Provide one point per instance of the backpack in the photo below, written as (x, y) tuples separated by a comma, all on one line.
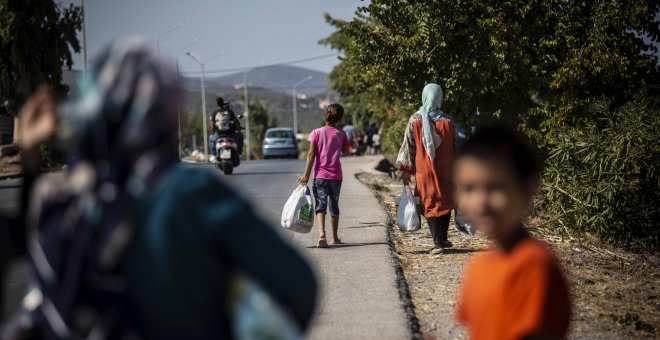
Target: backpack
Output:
[(224, 122)]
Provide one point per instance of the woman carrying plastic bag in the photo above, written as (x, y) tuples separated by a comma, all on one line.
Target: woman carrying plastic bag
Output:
[(297, 214), (406, 214)]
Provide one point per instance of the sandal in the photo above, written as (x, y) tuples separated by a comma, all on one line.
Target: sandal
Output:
[(322, 243), (336, 241), (436, 251)]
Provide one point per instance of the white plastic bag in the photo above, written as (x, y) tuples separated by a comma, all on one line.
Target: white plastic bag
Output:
[(297, 214), (406, 214), (462, 223), (256, 315)]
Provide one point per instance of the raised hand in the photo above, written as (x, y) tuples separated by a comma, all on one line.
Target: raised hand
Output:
[(37, 120)]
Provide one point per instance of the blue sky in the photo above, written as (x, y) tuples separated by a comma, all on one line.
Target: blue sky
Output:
[(250, 32)]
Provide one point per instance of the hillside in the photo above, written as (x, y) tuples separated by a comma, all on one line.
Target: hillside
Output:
[(275, 78), (279, 105)]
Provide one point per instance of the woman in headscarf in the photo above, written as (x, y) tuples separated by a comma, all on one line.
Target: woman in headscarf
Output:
[(426, 152), (128, 244), (37, 125)]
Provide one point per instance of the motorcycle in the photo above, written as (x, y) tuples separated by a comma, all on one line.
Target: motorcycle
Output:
[(227, 155)]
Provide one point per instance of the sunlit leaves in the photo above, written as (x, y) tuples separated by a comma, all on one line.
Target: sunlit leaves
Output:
[(36, 40), (607, 174)]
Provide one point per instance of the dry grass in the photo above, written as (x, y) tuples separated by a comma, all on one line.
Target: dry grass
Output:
[(615, 293)]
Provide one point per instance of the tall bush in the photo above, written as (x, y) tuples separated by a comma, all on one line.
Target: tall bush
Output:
[(603, 176)]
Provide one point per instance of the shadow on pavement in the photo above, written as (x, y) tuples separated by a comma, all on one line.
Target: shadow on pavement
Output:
[(449, 251), (347, 245), (266, 173)]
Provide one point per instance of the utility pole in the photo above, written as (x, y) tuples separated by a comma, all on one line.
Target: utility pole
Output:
[(206, 137), (178, 85), (247, 113)]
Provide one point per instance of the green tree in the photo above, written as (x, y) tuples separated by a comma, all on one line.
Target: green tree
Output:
[(260, 121), (581, 77), (603, 177), (36, 40), (192, 126), (532, 62)]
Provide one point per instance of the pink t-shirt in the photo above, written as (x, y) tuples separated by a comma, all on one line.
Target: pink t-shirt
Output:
[(329, 143)]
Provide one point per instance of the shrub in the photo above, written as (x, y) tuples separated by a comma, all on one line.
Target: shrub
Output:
[(602, 176)]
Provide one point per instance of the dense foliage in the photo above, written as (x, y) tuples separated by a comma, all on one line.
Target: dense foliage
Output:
[(260, 121), (570, 73), (603, 177), (37, 38)]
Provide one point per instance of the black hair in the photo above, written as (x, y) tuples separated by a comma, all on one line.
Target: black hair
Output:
[(507, 145), (220, 101), (334, 113)]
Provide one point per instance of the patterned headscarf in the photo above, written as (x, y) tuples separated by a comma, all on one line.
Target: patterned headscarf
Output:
[(121, 130), (124, 111)]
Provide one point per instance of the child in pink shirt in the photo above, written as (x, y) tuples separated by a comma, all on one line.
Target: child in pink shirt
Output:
[(326, 146)]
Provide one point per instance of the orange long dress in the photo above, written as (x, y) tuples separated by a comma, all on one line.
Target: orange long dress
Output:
[(513, 295), (433, 178)]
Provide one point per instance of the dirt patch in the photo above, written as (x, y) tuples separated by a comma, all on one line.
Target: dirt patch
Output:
[(615, 293)]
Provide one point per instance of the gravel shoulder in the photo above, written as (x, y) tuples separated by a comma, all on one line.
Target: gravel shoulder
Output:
[(615, 293)]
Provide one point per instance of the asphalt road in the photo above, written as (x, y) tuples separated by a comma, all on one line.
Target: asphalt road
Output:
[(266, 184), (358, 296)]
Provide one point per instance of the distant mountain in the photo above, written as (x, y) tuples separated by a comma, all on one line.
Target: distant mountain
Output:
[(274, 78), (278, 104)]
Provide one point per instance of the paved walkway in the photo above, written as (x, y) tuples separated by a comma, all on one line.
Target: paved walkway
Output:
[(359, 297)]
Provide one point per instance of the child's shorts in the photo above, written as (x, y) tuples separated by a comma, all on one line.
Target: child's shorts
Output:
[(326, 195)]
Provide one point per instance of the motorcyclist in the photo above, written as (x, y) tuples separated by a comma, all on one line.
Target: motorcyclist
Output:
[(221, 117)]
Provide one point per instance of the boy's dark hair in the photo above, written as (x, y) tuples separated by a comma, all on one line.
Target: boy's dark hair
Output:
[(334, 113), (219, 101), (507, 145)]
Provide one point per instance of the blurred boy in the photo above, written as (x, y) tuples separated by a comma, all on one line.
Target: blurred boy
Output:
[(326, 146), (516, 289)]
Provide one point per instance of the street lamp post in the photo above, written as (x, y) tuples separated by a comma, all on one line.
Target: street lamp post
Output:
[(247, 112), (164, 33), (178, 52), (203, 81), (295, 105)]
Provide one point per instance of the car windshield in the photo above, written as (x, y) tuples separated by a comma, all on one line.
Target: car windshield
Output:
[(280, 134)]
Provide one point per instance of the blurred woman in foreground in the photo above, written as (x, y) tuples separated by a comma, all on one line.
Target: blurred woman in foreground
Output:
[(129, 244)]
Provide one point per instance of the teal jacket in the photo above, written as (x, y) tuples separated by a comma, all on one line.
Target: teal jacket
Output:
[(194, 235)]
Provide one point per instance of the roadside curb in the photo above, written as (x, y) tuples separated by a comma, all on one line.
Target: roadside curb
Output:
[(11, 175), (402, 284)]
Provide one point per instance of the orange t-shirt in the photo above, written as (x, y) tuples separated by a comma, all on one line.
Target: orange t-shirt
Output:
[(515, 294)]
